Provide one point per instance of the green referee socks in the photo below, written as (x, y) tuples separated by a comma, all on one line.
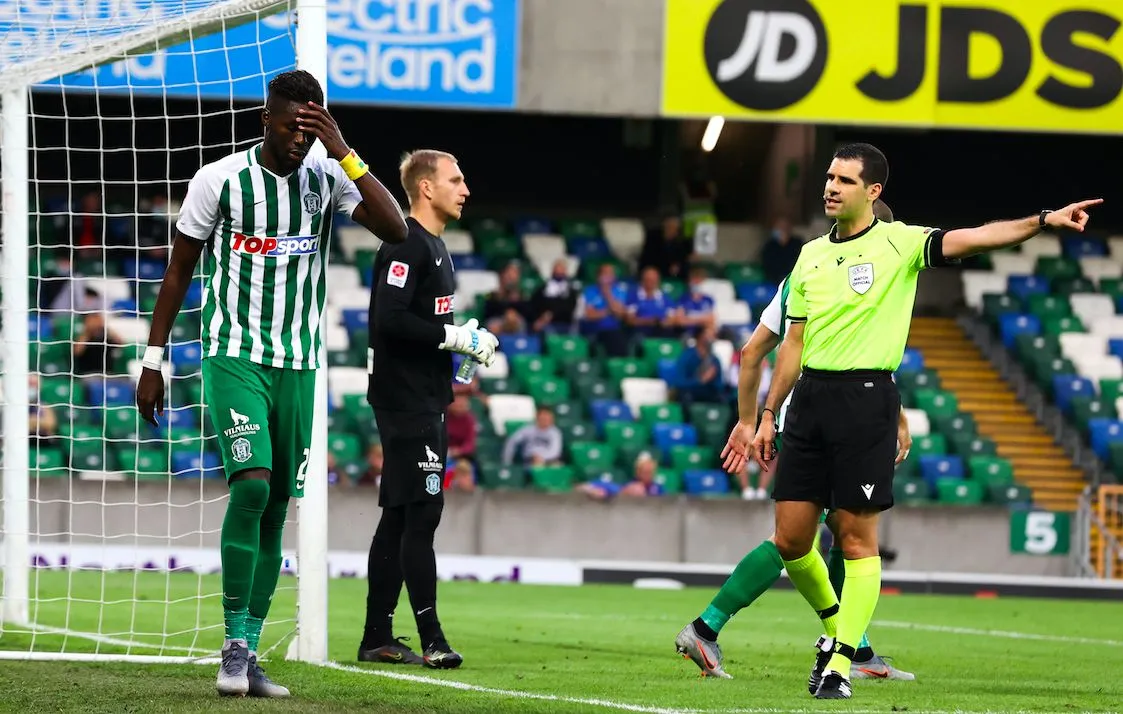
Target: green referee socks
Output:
[(863, 586), (239, 546), (756, 572), (809, 576)]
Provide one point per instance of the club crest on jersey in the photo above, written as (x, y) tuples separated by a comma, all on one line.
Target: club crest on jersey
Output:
[(397, 274), (311, 203), (444, 305), (861, 277), (276, 247)]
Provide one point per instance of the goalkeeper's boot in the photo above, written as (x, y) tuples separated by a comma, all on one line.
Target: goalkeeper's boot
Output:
[(439, 655), (233, 673), (877, 668), (397, 652), (260, 684), (833, 686), (824, 648), (704, 653)]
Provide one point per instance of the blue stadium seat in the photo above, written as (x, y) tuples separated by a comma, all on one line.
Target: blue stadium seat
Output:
[(756, 294), (1115, 347), (182, 419), (937, 467), (1010, 325), (468, 261), (111, 392), (193, 298), (520, 344), (700, 482), (1067, 386), (186, 357), (1022, 286), (190, 465), (356, 318), (366, 276), (585, 248), (1104, 432), (1077, 247), (664, 436), (124, 305), (911, 361), (144, 269), (668, 371), (38, 328), (532, 224), (603, 410)]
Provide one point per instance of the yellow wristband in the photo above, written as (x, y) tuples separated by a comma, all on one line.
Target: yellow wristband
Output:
[(353, 166)]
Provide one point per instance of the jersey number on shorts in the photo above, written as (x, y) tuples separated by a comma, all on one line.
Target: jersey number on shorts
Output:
[(302, 472)]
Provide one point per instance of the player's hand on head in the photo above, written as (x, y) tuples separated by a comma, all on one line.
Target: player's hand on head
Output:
[(1074, 216), (150, 395), (317, 120)]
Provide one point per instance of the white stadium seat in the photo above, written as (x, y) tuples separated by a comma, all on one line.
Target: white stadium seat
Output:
[(129, 329), (475, 282), (642, 391), (498, 369), (1118, 408), (1108, 327), (723, 350), (458, 241), (918, 422), (346, 380), (1115, 246), (545, 268), (1091, 307), (336, 338), (1096, 267), (733, 313), (720, 289), (1075, 344), (1013, 264), (1045, 244), (977, 283), (110, 289), (355, 238), (341, 277), (503, 408), (624, 237), (350, 298), (1097, 367), (543, 247)]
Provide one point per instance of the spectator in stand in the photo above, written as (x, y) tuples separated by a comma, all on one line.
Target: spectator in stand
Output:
[(696, 310), (642, 483), (555, 302), (779, 254), (537, 444), (506, 309), (87, 227), (462, 426), (154, 228), (604, 313), (96, 348), (666, 249), (650, 312), (373, 475), (42, 423), (700, 378), (460, 477)]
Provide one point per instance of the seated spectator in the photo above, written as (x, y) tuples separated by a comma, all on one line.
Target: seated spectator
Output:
[(460, 477), (333, 470), (666, 249), (696, 310), (506, 308), (462, 426), (373, 475), (95, 349), (537, 444), (604, 312), (700, 378), (650, 312), (43, 422), (779, 254), (642, 484), (555, 302)]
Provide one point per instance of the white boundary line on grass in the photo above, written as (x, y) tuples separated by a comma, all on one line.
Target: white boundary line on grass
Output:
[(894, 624)]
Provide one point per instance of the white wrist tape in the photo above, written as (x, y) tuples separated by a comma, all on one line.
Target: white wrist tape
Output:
[(153, 358)]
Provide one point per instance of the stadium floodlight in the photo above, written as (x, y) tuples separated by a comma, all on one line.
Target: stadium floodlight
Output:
[(712, 133), (106, 111)]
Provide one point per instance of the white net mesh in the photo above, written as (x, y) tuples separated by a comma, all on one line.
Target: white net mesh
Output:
[(124, 518)]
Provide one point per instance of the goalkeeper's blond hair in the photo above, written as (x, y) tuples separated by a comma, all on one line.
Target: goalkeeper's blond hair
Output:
[(418, 166)]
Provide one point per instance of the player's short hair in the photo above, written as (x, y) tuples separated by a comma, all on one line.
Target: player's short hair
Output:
[(296, 86), (419, 165), (875, 167), (882, 212)]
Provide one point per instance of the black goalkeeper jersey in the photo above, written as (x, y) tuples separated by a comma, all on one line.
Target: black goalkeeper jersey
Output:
[(411, 300)]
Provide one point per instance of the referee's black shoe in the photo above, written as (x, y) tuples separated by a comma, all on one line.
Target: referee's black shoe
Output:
[(439, 655), (824, 649), (397, 652), (833, 686)]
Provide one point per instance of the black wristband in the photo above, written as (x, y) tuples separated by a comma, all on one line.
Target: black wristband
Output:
[(762, 411), (1041, 217)]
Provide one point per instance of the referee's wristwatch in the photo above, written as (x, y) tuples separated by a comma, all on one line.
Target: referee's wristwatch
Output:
[(1041, 217)]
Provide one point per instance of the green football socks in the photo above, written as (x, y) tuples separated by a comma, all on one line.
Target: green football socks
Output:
[(809, 576), (756, 572), (239, 547), (863, 587), (268, 568)]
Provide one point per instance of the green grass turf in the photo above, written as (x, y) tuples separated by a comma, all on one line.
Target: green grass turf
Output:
[(595, 642)]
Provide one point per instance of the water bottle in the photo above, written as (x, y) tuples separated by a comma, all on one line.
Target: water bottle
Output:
[(467, 370)]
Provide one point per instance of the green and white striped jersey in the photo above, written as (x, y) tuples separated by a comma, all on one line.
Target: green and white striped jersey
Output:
[(267, 253), (775, 318)]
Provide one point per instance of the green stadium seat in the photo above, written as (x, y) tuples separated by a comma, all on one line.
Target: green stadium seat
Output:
[(497, 476), (670, 480), (122, 423), (921, 379), (583, 368), (489, 447), (1111, 389), (1009, 494), (712, 433), (655, 349), (501, 385), (1026, 345), (552, 479), (59, 390), (1060, 325), (702, 414), (626, 433), (91, 455), (548, 391), (592, 388), (512, 425), (364, 259), (1044, 367), (673, 289), (623, 367), (525, 365), (626, 454), (579, 431), (652, 414), (967, 445), (590, 453), (959, 492), (1045, 306), (990, 470), (1055, 267), (951, 424), (995, 304), (909, 468), (567, 348), (1112, 287), (738, 273), (1115, 457), (530, 282), (144, 462), (910, 490), (1086, 408), (936, 403), (339, 420), (341, 358), (576, 228), (589, 268), (346, 447), (1073, 286), (686, 458), (929, 445), (595, 473), (46, 461), (497, 246)]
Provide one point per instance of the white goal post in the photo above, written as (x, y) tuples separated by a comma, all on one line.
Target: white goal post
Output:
[(121, 620)]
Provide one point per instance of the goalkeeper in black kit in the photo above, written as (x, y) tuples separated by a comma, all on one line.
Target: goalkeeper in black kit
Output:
[(412, 338)]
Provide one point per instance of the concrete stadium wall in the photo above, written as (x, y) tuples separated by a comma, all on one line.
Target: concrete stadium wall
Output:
[(526, 524)]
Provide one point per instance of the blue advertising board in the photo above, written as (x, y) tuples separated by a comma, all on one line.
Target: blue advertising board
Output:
[(450, 53)]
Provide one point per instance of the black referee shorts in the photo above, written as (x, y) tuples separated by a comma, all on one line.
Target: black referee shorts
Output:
[(414, 449), (840, 440)]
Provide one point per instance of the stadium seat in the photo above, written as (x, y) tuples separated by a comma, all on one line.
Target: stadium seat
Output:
[(143, 462), (670, 413), (1010, 494), (959, 492), (670, 480), (499, 249), (458, 241), (525, 364), (1091, 307), (967, 445), (1007, 264), (592, 389), (583, 367), (497, 476), (1056, 268), (705, 482), (547, 390), (552, 479), (921, 379), (911, 360), (930, 445), (626, 433), (515, 345), (499, 368), (186, 357), (728, 314), (584, 454), (110, 392), (1108, 327), (347, 380), (1065, 387), (667, 436), (475, 282), (588, 248), (509, 407), (723, 350), (1011, 325), (1084, 409), (936, 403), (977, 283), (1075, 345), (990, 470), (1100, 366), (624, 236), (574, 431), (702, 414), (684, 458), (937, 467), (1022, 286), (919, 424), (1075, 247), (639, 392), (620, 367), (1059, 325), (1047, 306), (578, 228), (567, 348), (910, 490), (1102, 433), (187, 464), (739, 273), (46, 461), (603, 410), (655, 349), (345, 447), (468, 261)]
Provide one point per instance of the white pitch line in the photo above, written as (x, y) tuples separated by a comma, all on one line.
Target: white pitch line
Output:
[(116, 642), (995, 633), (509, 693)]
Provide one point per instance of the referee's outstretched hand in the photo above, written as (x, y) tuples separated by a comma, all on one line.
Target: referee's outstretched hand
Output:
[(1074, 216), (736, 452), (764, 444)]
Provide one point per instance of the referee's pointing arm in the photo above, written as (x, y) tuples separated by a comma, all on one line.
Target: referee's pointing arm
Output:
[(964, 242)]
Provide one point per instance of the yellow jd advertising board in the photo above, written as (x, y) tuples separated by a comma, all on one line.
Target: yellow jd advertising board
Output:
[(1039, 65)]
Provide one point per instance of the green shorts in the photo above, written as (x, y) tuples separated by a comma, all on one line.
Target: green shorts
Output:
[(263, 416), (779, 440)]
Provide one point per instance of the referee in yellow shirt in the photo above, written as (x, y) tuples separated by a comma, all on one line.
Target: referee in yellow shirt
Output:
[(850, 305)]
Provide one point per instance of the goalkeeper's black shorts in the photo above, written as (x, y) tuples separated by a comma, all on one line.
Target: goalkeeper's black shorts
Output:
[(415, 449)]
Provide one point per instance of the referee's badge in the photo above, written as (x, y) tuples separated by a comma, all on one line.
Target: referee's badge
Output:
[(861, 277)]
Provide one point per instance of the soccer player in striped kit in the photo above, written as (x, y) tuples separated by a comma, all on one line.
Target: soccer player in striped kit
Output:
[(264, 216)]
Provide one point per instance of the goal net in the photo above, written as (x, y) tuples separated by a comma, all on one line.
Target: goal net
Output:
[(110, 526)]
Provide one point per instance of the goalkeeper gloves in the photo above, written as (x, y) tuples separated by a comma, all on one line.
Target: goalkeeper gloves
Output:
[(472, 340)]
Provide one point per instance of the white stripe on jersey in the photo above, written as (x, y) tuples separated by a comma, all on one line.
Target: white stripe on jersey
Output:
[(280, 277), (234, 269), (297, 348), (256, 227)]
